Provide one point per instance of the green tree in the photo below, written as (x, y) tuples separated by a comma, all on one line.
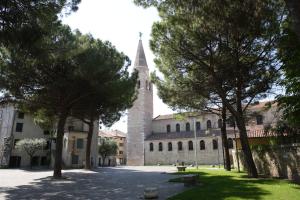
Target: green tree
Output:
[(113, 86), (289, 52), (107, 147), (294, 13), (31, 146), (228, 47)]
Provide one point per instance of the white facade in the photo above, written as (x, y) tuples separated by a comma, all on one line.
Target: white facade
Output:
[(15, 125)]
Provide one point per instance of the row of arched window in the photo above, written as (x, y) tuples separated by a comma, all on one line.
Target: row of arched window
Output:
[(198, 126), (190, 145), (148, 85)]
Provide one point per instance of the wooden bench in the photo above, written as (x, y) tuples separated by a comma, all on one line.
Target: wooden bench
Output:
[(181, 168), (189, 180)]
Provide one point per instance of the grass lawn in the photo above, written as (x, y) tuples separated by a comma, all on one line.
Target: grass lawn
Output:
[(217, 184)]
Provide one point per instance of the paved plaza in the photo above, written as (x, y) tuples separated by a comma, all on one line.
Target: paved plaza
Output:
[(103, 183)]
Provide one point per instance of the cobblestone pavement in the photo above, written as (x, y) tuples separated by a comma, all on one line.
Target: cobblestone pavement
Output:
[(103, 183)]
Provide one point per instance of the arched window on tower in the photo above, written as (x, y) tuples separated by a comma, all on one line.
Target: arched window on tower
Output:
[(230, 143), (219, 123), (146, 84), (170, 146), (191, 145), (179, 146), (150, 86), (187, 127), (139, 84), (208, 124), (202, 145), (215, 144), (168, 128), (177, 127), (160, 146), (151, 146), (198, 126)]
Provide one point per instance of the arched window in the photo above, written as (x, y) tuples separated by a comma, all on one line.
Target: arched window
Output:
[(160, 146), (208, 124), (151, 146), (170, 146), (259, 119), (187, 127), (230, 143), (219, 123), (149, 86), (177, 127), (168, 128), (191, 145), (179, 146), (146, 84), (198, 126), (202, 145), (139, 83), (215, 144)]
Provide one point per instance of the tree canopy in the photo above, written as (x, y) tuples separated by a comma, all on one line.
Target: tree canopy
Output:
[(225, 50)]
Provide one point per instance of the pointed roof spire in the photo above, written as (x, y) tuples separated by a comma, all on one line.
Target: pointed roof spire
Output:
[(140, 58)]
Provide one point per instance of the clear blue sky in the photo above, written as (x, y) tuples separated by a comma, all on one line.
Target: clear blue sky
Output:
[(119, 21)]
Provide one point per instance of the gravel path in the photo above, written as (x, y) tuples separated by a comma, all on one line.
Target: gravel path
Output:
[(102, 183)]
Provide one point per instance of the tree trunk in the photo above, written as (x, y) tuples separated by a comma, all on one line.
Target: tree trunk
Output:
[(252, 171), (88, 145), (59, 145), (294, 9), (224, 139), (103, 161)]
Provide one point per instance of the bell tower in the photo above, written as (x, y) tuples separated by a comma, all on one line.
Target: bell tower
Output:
[(140, 115)]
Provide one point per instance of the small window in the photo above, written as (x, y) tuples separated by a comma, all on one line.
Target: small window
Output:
[(120, 152), (19, 127), (215, 144), (179, 146), (150, 86), (259, 119), (75, 159), (168, 128), (46, 132), (170, 146), (21, 115), (191, 145), (198, 126), (230, 143), (219, 123), (187, 127), (151, 146), (160, 146), (139, 84), (121, 144), (79, 143), (177, 127), (146, 84), (202, 145), (208, 124)]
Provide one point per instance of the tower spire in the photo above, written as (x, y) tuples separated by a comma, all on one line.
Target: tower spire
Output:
[(140, 58)]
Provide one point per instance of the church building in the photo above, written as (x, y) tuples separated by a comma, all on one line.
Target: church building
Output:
[(169, 139)]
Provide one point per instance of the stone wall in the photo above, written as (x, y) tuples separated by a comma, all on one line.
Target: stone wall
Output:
[(280, 161)]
